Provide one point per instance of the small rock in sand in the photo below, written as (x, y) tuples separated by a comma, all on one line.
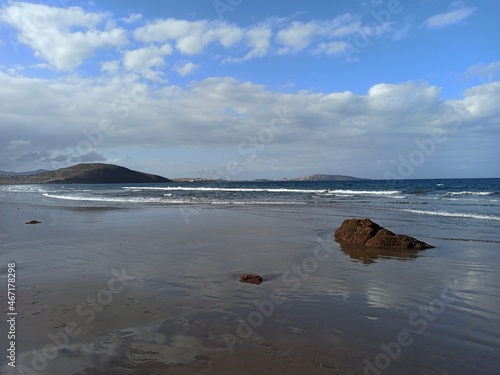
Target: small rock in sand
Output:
[(33, 222), (251, 278)]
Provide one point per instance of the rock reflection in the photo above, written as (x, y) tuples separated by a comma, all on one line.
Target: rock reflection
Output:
[(369, 255)]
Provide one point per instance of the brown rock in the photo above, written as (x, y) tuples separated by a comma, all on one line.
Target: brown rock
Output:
[(356, 231), (251, 278), (33, 222), (367, 233)]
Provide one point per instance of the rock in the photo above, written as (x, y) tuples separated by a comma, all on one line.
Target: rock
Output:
[(367, 233), (251, 278), (33, 222)]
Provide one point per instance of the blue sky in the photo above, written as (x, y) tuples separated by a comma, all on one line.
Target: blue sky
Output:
[(253, 89)]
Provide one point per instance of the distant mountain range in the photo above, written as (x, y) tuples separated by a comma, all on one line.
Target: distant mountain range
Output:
[(95, 173), (325, 177), (99, 173)]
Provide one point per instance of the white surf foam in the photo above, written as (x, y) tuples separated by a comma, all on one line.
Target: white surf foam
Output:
[(454, 214), (270, 190)]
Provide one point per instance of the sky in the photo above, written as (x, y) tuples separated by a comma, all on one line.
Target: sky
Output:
[(241, 89)]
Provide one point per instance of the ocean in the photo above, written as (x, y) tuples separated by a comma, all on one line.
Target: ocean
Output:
[(348, 309), (466, 200), (476, 199)]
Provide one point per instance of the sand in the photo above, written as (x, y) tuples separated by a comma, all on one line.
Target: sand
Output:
[(142, 291)]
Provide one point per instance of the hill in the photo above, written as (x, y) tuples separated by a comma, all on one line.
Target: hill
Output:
[(95, 173), (326, 177)]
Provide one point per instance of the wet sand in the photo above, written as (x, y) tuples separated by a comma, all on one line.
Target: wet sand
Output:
[(143, 291)]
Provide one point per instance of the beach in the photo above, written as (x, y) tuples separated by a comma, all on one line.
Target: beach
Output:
[(108, 289)]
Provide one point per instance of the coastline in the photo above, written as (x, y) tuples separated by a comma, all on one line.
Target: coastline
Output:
[(180, 303)]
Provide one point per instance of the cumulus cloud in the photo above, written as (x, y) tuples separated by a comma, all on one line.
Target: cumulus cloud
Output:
[(480, 102), (258, 38), (335, 128), (451, 17), (186, 69), (298, 35), (110, 67), (66, 37), (272, 37), (62, 36), (402, 97), (145, 60), (190, 37)]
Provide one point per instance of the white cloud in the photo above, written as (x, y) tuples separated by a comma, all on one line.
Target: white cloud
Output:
[(449, 18), (186, 69), (298, 35), (110, 67), (144, 60), (403, 96), (272, 36), (191, 37), (362, 129), (65, 37), (343, 26), (330, 37), (479, 102), (134, 17), (258, 38), (62, 36), (332, 48), (226, 35)]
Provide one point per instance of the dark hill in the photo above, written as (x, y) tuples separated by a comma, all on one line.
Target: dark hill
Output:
[(95, 173)]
